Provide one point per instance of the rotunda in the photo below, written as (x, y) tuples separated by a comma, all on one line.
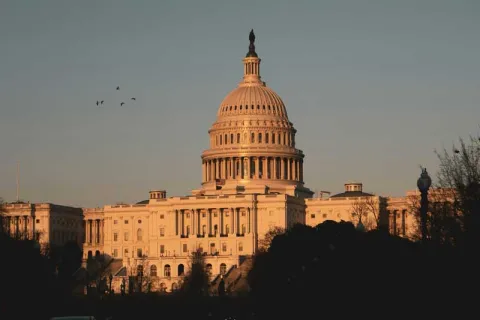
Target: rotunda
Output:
[(252, 142)]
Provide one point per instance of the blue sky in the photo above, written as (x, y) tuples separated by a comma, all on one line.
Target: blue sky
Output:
[(373, 88)]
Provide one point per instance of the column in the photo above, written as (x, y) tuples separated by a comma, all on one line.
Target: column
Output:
[(25, 221), (232, 213), (182, 212), (249, 221), (194, 213), (288, 169), (237, 220), (257, 167), (209, 222), (176, 222)]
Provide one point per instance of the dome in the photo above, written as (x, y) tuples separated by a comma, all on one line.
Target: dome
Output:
[(252, 142), (252, 99)]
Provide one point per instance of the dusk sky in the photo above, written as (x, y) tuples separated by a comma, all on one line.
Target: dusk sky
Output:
[(373, 88)]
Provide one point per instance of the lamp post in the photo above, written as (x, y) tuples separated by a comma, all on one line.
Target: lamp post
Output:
[(423, 184), (111, 279)]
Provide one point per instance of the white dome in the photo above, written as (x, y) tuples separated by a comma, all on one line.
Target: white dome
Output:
[(252, 99)]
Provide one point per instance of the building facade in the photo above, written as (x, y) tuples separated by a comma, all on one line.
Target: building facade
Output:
[(49, 224), (252, 182)]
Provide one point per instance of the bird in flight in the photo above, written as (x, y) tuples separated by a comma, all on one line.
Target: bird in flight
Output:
[(456, 151), (97, 103), (101, 102), (118, 88), (134, 99), (121, 104)]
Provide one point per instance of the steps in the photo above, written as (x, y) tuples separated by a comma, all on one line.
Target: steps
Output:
[(237, 281)]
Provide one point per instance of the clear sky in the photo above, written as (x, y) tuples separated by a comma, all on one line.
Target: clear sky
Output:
[(373, 88)]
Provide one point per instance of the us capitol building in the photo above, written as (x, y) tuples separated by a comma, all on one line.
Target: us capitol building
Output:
[(252, 182)]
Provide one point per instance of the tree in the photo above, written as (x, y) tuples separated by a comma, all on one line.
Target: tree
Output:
[(460, 172), (196, 281), (142, 273), (265, 243), (453, 217), (367, 211)]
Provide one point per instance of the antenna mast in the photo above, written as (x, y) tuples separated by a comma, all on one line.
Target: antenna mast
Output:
[(18, 180)]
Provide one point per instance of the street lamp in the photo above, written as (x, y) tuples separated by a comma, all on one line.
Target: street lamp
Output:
[(111, 278), (423, 184)]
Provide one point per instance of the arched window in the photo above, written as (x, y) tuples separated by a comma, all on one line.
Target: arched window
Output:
[(238, 137), (181, 270), (153, 270), (139, 235), (139, 270), (163, 287), (260, 137), (223, 269), (166, 270)]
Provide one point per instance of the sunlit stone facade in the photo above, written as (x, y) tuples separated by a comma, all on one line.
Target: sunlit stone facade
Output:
[(49, 224), (252, 181)]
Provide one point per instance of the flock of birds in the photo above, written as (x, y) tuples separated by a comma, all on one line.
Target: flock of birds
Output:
[(100, 103)]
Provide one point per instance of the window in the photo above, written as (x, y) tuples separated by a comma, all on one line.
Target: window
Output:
[(139, 253), (312, 216), (153, 270), (125, 252), (240, 246), (115, 236), (140, 270), (252, 138), (126, 221), (244, 229), (223, 268), (260, 138), (204, 229), (162, 232), (37, 221), (227, 229), (273, 138), (125, 236), (266, 137), (139, 221), (324, 215), (188, 230), (224, 246), (115, 253), (115, 221), (238, 137), (185, 247), (166, 270), (139, 235), (162, 216), (231, 138), (162, 249)]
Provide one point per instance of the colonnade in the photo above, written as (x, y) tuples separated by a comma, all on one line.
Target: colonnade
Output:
[(94, 230), (216, 222), (253, 168), (19, 225)]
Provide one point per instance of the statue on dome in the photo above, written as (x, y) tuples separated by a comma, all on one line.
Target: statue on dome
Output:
[(251, 47), (251, 37)]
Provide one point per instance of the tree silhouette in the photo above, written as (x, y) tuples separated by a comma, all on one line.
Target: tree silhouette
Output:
[(196, 281)]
